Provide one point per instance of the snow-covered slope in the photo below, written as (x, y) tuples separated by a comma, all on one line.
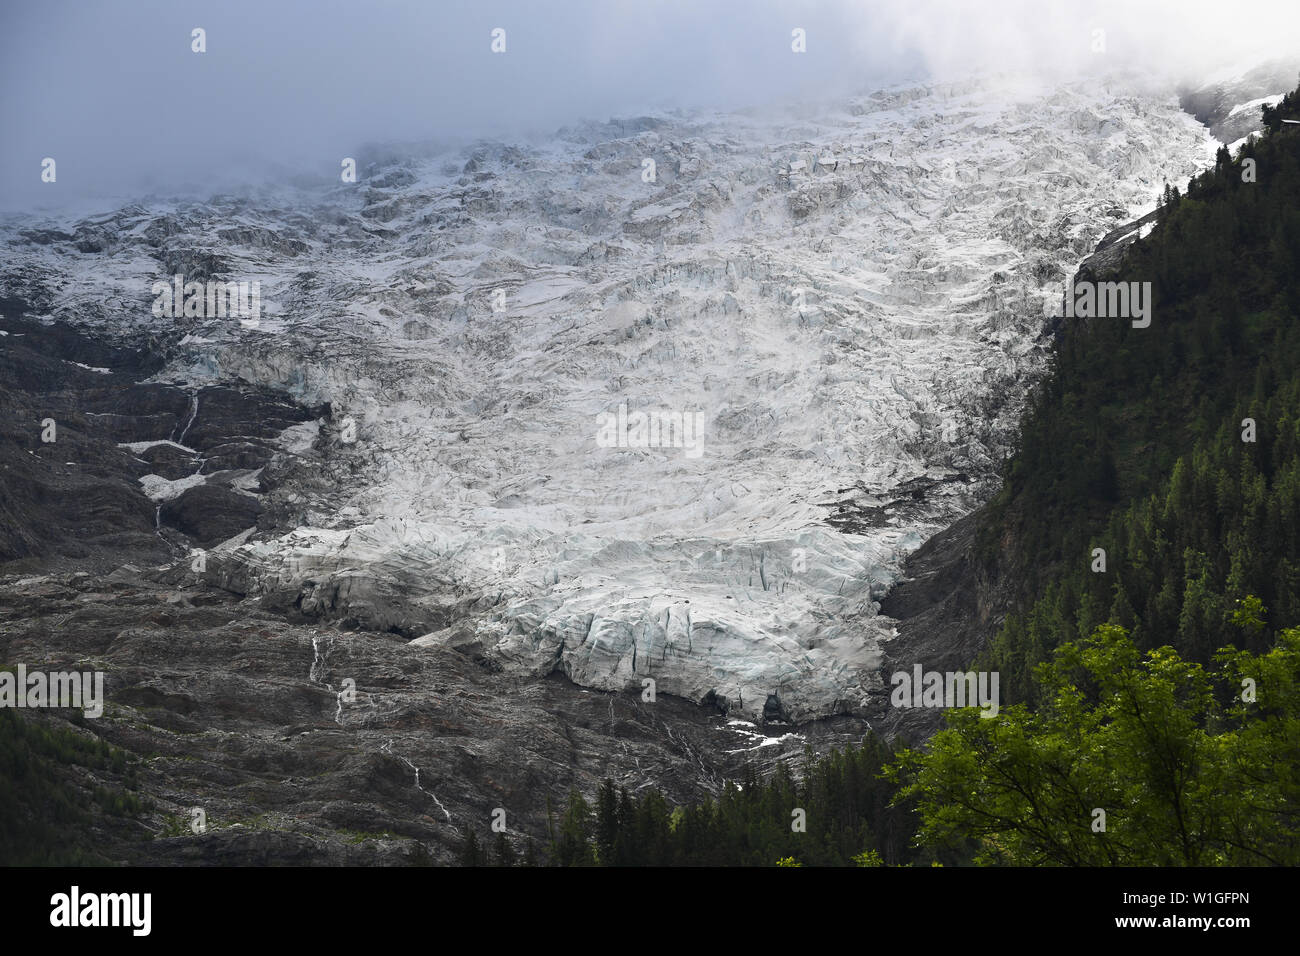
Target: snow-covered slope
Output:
[(1229, 100), (851, 299)]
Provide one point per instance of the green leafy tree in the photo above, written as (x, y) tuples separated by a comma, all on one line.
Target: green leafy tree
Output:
[(1129, 760)]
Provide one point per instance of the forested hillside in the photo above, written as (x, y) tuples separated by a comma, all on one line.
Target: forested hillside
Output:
[(1139, 444), (1152, 521)]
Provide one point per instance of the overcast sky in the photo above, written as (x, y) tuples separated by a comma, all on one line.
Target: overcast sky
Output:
[(113, 92)]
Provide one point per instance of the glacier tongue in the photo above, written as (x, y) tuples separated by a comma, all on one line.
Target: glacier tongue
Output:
[(852, 300)]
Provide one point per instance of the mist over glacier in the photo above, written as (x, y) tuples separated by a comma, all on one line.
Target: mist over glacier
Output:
[(115, 94)]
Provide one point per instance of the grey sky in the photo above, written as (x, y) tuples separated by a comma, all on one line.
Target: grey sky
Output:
[(114, 94)]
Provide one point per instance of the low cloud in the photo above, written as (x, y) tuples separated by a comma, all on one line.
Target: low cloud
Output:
[(115, 95)]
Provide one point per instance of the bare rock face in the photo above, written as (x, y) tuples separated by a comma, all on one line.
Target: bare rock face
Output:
[(311, 745), (103, 465), (211, 514), (66, 489)]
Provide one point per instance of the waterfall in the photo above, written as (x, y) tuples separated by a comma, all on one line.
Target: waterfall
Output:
[(317, 673), (388, 749), (194, 411)]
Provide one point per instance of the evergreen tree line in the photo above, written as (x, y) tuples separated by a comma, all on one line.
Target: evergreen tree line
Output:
[(44, 809), (840, 811), (1154, 718), (1134, 443)]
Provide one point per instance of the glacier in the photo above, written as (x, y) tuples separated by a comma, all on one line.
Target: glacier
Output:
[(853, 298)]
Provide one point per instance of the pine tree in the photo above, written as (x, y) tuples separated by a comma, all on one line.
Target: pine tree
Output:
[(505, 853), (470, 854), (606, 823), (573, 847)]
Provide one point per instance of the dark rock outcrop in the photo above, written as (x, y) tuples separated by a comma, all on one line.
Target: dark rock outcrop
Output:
[(1110, 251), (210, 514), (950, 603), (71, 494)]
